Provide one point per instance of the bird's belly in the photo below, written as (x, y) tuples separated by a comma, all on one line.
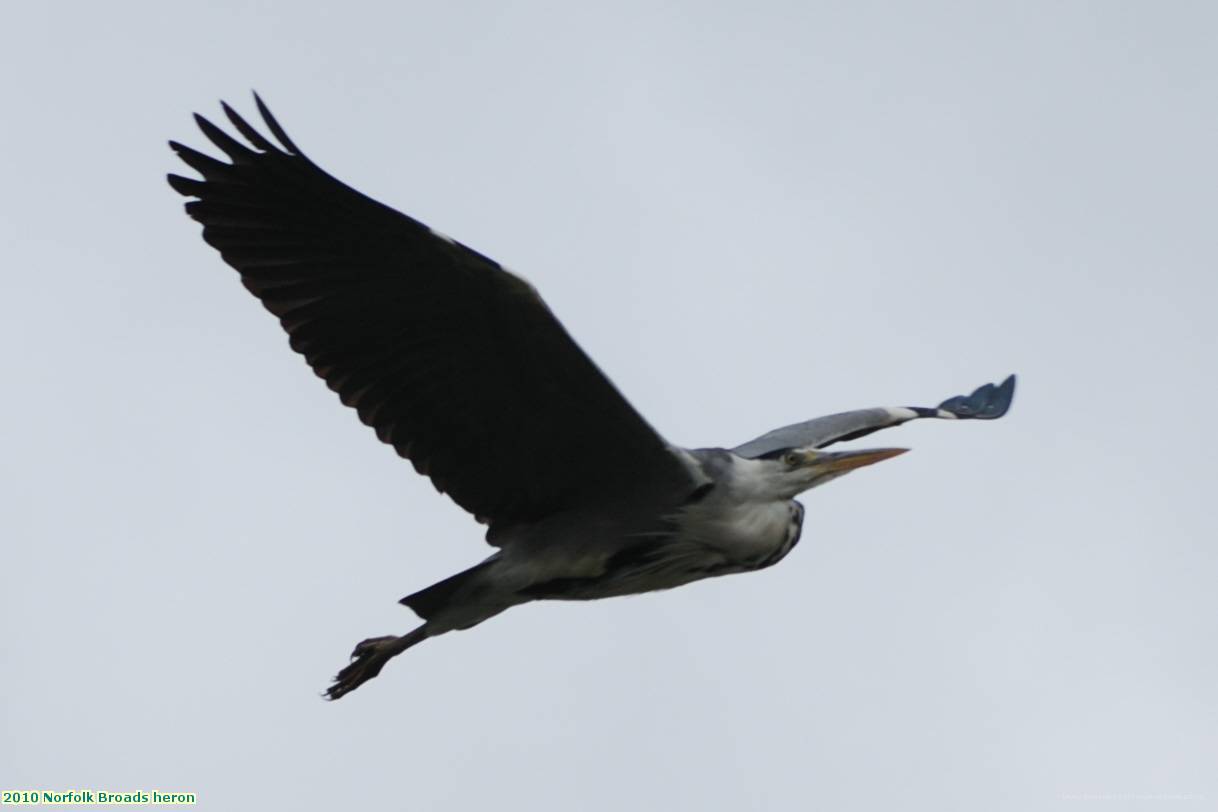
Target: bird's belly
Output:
[(705, 542), (752, 535), (703, 546)]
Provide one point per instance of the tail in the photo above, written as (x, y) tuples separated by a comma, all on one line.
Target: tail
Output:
[(427, 603)]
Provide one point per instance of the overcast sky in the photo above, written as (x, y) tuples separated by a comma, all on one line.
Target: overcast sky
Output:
[(749, 214)]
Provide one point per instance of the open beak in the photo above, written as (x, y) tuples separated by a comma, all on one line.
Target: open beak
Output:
[(839, 462)]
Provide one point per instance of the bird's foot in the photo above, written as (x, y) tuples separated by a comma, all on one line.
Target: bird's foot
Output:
[(367, 660)]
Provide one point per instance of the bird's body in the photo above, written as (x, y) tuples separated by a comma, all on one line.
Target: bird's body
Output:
[(459, 365), (726, 524)]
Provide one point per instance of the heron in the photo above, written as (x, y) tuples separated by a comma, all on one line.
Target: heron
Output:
[(461, 367)]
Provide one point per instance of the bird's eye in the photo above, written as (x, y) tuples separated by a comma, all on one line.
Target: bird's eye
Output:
[(791, 458)]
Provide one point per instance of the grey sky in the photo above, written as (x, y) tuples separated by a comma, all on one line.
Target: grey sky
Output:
[(749, 214)]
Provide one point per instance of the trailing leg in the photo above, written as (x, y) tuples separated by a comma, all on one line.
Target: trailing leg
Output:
[(370, 656)]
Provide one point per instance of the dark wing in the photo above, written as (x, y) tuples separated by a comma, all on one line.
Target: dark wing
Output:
[(988, 402), (458, 364)]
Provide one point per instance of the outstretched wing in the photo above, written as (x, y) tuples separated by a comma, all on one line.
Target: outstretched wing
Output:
[(457, 363), (988, 402)]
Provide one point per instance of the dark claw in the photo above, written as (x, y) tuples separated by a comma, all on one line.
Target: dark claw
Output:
[(364, 646), (367, 660)]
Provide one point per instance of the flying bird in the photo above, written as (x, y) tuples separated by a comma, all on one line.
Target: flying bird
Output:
[(458, 364)]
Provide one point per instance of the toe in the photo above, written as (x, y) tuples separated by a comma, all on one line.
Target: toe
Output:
[(365, 646)]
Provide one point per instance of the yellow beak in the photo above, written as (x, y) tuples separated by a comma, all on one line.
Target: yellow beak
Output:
[(842, 461)]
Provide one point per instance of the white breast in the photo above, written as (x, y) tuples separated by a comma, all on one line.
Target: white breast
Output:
[(741, 532)]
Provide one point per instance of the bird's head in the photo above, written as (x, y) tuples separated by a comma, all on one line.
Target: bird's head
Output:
[(791, 471)]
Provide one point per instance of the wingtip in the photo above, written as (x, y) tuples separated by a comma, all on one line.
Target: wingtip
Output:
[(1002, 398), (274, 126), (986, 402), (203, 123), (1006, 390)]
